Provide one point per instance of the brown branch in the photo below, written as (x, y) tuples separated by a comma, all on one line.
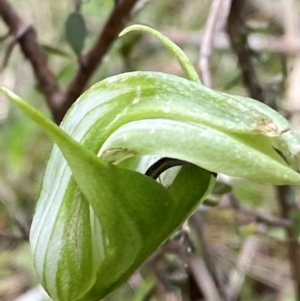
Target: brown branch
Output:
[(267, 218), (287, 206), (257, 42), (12, 45), (259, 215), (238, 37), (10, 236), (91, 60), (196, 219), (217, 14), (58, 101), (243, 264), (34, 53), (203, 278)]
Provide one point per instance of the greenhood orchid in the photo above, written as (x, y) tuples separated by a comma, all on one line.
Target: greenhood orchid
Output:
[(99, 216)]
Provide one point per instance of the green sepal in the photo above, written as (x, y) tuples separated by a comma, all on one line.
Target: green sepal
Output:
[(130, 216)]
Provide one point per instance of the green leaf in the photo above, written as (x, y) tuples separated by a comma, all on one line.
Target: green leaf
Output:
[(55, 51), (223, 135), (221, 188), (79, 232), (76, 32)]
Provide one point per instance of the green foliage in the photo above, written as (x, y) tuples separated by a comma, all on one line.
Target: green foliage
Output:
[(76, 32), (221, 188)]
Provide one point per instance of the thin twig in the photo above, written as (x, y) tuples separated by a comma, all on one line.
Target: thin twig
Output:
[(58, 101), (238, 36), (259, 215), (6, 235), (196, 219), (257, 42), (12, 45), (35, 54), (244, 262), (284, 193), (217, 15), (203, 278), (91, 60), (291, 33)]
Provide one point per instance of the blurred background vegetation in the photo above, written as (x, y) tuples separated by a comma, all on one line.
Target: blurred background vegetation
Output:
[(241, 245)]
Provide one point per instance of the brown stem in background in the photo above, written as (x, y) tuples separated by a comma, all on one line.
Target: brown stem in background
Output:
[(202, 278), (237, 31), (256, 41), (26, 36), (91, 60), (286, 207), (10, 236), (196, 220), (258, 215), (58, 101), (238, 37), (216, 18)]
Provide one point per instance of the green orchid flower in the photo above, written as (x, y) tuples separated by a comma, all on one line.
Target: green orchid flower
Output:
[(99, 217)]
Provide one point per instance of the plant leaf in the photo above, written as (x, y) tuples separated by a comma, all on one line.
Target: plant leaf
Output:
[(221, 188), (76, 32), (236, 155), (82, 255), (225, 130)]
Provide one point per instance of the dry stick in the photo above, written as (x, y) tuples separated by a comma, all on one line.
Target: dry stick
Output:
[(237, 34), (196, 219), (10, 236), (243, 265), (294, 256), (35, 54), (58, 102), (216, 18), (203, 278), (291, 33), (91, 60), (256, 41), (260, 216), (12, 45)]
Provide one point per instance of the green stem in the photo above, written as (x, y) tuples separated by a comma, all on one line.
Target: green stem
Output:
[(182, 58)]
